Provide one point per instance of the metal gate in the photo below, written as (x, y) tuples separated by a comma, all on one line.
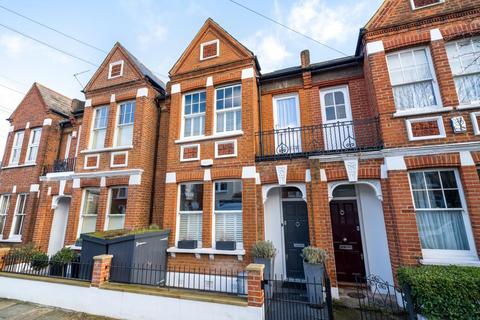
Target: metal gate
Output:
[(378, 299), (287, 299)]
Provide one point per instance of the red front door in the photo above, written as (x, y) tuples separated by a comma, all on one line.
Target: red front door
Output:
[(347, 240)]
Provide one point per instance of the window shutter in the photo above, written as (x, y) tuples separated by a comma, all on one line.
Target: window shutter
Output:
[(190, 226), (229, 226)]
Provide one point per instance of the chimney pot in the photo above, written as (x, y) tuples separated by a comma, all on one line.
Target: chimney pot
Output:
[(305, 58)]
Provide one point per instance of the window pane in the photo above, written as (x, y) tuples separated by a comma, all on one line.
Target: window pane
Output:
[(444, 230), (238, 120), (344, 191), (118, 207), (417, 95), (228, 195), (2, 223), (17, 229), (339, 97), (125, 135), (191, 197), (341, 113), (448, 179), (453, 199), (91, 201), (417, 180), (330, 113), (228, 226), (468, 88), (116, 222), (329, 99), (88, 225), (433, 180), (220, 122), (190, 227), (436, 199), (188, 128), (421, 199), (230, 124)]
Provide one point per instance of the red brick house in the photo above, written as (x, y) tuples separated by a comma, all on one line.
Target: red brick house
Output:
[(44, 128), (372, 157)]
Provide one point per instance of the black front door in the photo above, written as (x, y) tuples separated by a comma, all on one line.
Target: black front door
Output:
[(347, 240), (295, 228)]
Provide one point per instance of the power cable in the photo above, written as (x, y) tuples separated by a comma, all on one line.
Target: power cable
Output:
[(11, 89)]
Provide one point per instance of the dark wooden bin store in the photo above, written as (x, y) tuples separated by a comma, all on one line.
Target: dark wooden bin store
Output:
[(139, 258)]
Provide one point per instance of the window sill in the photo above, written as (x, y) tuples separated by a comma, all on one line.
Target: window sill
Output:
[(468, 106), (109, 149), (212, 137), (19, 166), (12, 240), (209, 251), (400, 114), (446, 262)]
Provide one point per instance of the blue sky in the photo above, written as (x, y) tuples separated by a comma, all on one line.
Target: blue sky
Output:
[(157, 32)]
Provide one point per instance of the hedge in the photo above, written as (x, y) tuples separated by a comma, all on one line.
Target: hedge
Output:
[(443, 292)]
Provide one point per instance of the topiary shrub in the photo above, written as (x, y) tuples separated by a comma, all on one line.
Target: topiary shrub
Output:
[(264, 250), (64, 256), (314, 255), (443, 292), (39, 261)]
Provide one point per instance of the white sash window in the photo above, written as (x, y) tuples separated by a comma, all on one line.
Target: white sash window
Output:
[(194, 106), (89, 213), (4, 204), (228, 106), (228, 212), (126, 118), (33, 144), (99, 129), (190, 212), (16, 147), (19, 217), (117, 208)]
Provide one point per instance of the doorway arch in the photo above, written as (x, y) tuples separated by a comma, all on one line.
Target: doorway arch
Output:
[(61, 207)]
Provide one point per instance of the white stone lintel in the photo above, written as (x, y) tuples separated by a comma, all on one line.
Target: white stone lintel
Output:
[(375, 47)]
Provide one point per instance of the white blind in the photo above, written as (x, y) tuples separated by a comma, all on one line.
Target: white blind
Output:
[(229, 226), (190, 226)]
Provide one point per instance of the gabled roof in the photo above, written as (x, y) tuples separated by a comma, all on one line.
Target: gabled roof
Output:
[(210, 24), (139, 67)]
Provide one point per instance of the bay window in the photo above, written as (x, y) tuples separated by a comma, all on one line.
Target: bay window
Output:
[(19, 217), (33, 144), (99, 129), (228, 212), (442, 221), (413, 80), (228, 105), (126, 118), (464, 58), (16, 147), (4, 204), (190, 212), (117, 208), (194, 107), (89, 213)]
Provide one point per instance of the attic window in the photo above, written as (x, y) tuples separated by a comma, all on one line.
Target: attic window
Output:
[(417, 4), (115, 70), (210, 49)]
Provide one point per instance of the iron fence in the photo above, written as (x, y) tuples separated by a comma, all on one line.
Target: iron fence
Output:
[(380, 300), (182, 277), (60, 165), (331, 138), (293, 299), (45, 266)]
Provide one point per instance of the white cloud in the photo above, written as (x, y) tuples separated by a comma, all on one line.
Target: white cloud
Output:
[(271, 50), (9, 100), (157, 33), (14, 44), (328, 22)]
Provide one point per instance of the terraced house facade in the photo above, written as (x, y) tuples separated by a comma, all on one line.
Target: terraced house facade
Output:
[(372, 157)]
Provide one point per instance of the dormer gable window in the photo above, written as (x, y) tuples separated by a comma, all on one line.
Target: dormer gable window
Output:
[(210, 49), (115, 69), (418, 4)]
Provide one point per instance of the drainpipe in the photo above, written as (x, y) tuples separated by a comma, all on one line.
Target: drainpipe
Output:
[(259, 98), (157, 137)]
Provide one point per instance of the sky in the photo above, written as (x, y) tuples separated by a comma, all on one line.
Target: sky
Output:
[(157, 32)]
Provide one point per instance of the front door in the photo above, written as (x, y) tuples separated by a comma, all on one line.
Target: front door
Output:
[(347, 240), (295, 227)]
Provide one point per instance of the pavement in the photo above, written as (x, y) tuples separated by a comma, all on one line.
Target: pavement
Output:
[(19, 310)]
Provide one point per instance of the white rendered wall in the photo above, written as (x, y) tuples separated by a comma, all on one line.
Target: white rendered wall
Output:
[(273, 228), (119, 304), (374, 234)]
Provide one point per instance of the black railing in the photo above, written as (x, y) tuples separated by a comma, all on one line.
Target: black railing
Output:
[(44, 266), (226, 281), (63, 165), (298, 299), (331, 138)]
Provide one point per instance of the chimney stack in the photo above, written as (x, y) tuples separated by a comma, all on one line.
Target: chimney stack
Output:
[(305, 58)]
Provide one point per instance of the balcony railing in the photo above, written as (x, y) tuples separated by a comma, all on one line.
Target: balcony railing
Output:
[(331, 138), (60, 165)]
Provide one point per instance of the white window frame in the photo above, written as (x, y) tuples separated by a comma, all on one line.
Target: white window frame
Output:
[(214, 213), (224, 111), (206, 44), (111, 65), (179, 213), (427, 6), (4, 199), (182, 159), (82, 215), (182, 126), (32, 145), (455, 43), (449, 256), (16, 147), (118, 125), (97, 163), (93, 129), (275, 99), (436, 88), (109, 206), (19, 212), (68, 146), (441, 128), (234, 154), (112, 159)]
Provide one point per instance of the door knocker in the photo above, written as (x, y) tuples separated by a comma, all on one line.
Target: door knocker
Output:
[(297, 224), (342, 213)]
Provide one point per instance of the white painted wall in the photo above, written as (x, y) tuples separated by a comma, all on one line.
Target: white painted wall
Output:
[(119, 304), (374, 235), (273, 228), (59, 226)]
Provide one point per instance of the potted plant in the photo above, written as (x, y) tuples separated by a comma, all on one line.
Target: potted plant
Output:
[(314, 266), (264, 252), (61, 262)]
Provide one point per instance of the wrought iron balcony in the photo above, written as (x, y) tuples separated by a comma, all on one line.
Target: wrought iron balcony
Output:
[(60, 165), (324, 139)]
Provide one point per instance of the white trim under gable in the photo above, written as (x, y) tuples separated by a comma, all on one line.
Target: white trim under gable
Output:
[(142, 92), (375, 47), (435, 34), (171, 177), (47, 122), (176, 88), (248, 73), (249, 172), (438, 119), (395, 163), (466, 159)]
